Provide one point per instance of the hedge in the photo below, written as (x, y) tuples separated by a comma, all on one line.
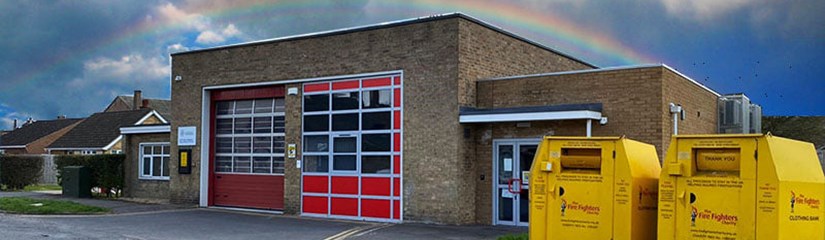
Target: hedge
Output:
[(106, 170), (17, 172)]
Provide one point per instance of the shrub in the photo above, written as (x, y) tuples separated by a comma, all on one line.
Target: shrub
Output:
[(17, 172), (106, 170)]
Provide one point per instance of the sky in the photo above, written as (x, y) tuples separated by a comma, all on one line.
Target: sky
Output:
[(62, 57)]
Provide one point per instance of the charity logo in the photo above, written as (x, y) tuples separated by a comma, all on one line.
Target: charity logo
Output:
[(693, 214), (709, 214), (563, 206), (793, 200), (801, 199)]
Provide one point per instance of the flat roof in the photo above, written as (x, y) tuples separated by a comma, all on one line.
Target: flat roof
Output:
[(384, 25), (590, 111)]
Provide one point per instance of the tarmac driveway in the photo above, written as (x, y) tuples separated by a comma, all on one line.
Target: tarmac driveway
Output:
[(202, 223), (169, 224), (166, 221)]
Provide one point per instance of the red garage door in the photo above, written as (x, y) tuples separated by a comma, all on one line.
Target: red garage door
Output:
[(352, 149), (248, 156)]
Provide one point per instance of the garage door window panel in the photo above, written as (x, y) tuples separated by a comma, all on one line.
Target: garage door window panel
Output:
[(377, 99), (345, 122), (318, 164), (375, 142), (375, 164), (316, 123), (249, 136), (316, 102), (344, 101), (376, 121)]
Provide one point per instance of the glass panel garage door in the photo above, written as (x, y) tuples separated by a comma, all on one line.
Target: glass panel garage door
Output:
[(352, 149)]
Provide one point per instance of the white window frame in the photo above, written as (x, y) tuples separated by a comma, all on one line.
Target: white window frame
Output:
[(141, 156)]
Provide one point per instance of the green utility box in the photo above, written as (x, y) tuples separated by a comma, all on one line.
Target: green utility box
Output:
[(77, 182)]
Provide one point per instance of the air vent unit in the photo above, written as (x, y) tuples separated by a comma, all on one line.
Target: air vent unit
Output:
[(738, 115)]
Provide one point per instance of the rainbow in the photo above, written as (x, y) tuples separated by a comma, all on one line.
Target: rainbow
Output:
[(514, 18)]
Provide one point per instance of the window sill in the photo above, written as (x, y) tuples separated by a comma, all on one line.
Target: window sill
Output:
[(154, 178)]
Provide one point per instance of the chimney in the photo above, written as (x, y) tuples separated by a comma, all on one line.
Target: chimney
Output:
[(137, 100), (15, 124), (61, 116), (145, 103)]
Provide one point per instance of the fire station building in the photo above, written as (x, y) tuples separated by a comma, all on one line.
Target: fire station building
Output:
[(425, 120)]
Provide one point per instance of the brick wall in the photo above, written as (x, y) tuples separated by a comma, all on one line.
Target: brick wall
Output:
[(485, 53), (134, 186), (117, 105), (11, 151), (635, 101), (426, 52), (292, 135), (700, 108)]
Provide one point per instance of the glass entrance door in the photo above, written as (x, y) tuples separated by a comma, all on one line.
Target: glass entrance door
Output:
[(511, 169)]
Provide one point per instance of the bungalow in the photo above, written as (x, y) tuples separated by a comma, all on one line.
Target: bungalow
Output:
[(34, 136), (100, 133)]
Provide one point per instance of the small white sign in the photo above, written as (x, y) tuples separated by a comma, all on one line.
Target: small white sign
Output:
[(508, 164), (187, 136), (298, 163), (290, 150), (505, 193)]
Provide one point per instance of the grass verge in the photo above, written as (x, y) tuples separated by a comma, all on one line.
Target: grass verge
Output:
[(31, 188), (522, 236), (24, 205)]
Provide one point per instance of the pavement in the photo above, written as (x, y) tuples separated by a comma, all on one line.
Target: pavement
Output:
[(132, 220)]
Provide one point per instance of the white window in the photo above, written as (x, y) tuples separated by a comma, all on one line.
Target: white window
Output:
[(154, 161), (87, 152), (249, 136)]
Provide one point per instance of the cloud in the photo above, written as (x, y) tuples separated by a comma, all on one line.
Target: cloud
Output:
[(177, 47), (210, 37), (127, 66), (231, 30), (208, 33), (7, 117), (703, 10)]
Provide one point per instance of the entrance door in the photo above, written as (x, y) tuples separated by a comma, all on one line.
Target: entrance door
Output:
[(511, 169)]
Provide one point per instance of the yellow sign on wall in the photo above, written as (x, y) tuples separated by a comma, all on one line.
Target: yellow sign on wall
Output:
[(184, 159)]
